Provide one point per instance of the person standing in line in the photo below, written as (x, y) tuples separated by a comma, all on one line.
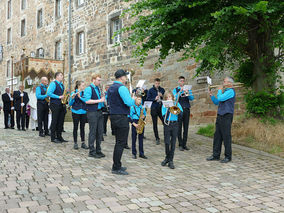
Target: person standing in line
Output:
[(21, 100), (8, 109)]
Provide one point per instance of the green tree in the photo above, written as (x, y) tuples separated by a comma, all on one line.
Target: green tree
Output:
[(218, 34)]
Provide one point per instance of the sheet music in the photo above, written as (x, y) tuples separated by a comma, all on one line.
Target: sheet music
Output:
[(187, 87), (140, 83), (147, 104), (209, 80), (168, 104)]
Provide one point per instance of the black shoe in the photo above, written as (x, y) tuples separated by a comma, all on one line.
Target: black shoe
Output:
[(63, 130), (164, 162), (123, 168), (62, 140), (36, 128), (6, 128), (119, 172), (157, 141), (211, 158), (185, 148), (143, 156), (134, 157), (76, 146), (23, 130), (94, 155), (171, 165), (126, 147), (47, 134), (41, 135), (12, 127), (84, 146), (56, 141), (225, 160), (102, 155), (181, 148), (19, 129)]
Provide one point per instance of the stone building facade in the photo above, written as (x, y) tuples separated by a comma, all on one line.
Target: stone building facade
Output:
[(41, 27)]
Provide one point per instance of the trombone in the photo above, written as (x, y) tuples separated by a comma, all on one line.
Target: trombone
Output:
[(210, 87)]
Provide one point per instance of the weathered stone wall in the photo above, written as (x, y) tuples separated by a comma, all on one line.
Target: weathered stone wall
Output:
[(100, 56)]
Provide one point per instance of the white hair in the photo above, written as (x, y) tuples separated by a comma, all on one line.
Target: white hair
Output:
[(230, 79)]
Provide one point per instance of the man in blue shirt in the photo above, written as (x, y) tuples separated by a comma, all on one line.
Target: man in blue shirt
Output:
[(155, 94), (42, 107), (184, 118), (55, 92), (94, 99), (120, 101), (226, 101)]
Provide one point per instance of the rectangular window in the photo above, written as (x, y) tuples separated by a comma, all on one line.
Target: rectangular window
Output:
[(9, 36), (115, 25), (23, 4), (8, 73), (80, 43), (58, 50), (80, 3), (40, 53), (23, 27), (9, 9), (1, 53), (58, 8), (39, 18)]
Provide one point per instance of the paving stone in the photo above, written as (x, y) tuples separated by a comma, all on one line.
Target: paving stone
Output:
[(39, 176)]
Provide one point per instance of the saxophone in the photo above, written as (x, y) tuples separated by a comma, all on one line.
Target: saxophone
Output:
[(66, 96), (141, 123)]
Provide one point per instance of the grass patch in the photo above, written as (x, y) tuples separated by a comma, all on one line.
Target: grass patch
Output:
[(262, 134), (207, 131)]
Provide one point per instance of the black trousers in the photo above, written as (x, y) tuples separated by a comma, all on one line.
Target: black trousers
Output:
[(170, 136), (42, 117), (223, 133), (120, 127), (57, 120), (183, 123), (95, 120), (20, 118), (155, 113), (134, 138), (105, 115), (79, 118), (6, 118), (27, 120)]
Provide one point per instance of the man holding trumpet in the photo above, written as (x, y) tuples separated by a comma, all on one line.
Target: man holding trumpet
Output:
[(225, 100)]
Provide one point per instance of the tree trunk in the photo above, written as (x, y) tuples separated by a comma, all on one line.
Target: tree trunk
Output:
[(261, 54)]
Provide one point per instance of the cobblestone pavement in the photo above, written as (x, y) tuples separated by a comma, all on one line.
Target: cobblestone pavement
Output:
[(39, 176)]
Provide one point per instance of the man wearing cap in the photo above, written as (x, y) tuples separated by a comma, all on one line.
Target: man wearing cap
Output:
[(120, 102)]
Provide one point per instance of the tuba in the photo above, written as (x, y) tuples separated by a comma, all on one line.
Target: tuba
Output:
[(141, 123)]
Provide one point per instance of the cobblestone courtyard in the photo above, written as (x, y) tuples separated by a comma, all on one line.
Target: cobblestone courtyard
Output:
[(39, 176)]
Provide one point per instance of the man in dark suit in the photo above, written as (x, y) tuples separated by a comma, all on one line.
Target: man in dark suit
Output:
[(21, 99), (7, 108)]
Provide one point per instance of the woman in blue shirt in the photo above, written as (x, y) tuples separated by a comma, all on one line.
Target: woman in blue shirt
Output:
[(170, 130), (78, 108)]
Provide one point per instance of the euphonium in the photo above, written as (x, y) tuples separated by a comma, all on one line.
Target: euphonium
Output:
[(141, 123), (66, 96)]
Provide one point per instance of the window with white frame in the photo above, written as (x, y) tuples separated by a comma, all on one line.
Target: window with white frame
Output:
[(23, 4), (23, 27), (80, 2), (9, 9), (8, 72), (39, 18), (58, 50), (9, 36), (58, 8), (80, 43), (115, 26)]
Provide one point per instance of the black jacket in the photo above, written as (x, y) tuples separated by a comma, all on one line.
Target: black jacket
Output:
[(6, 102), (18, 100)]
